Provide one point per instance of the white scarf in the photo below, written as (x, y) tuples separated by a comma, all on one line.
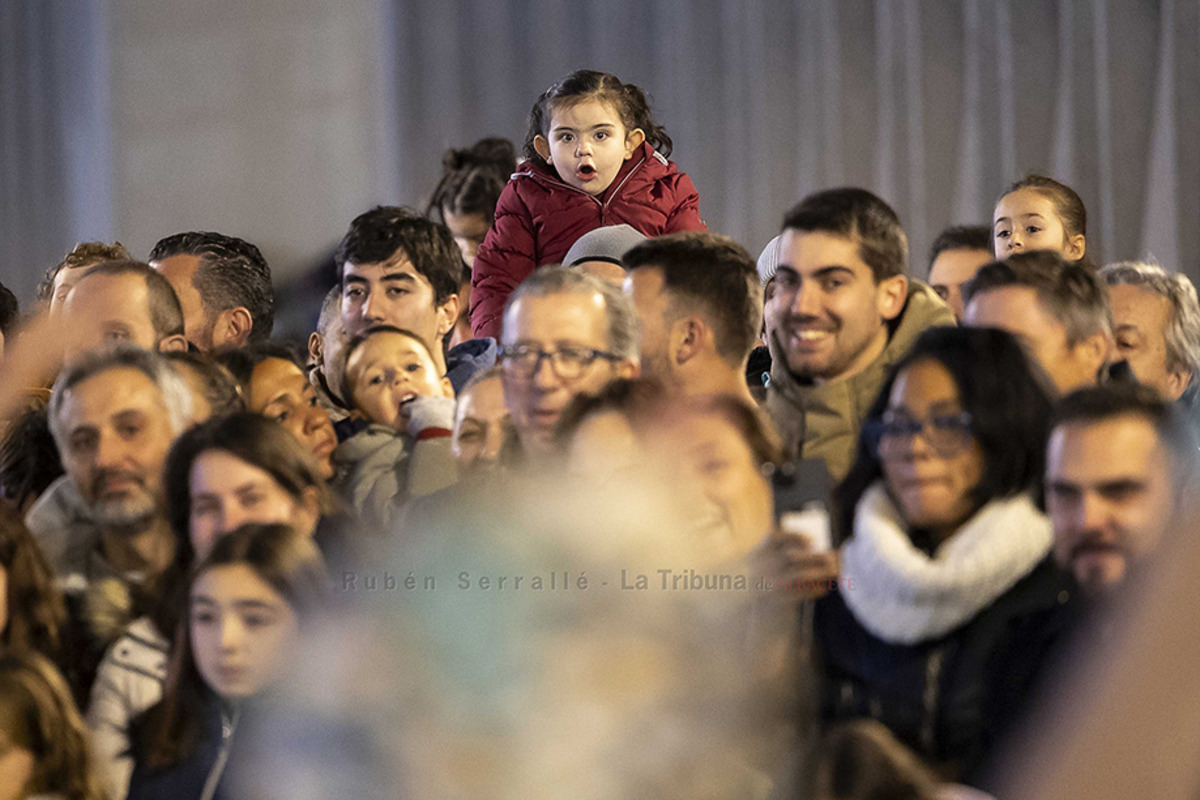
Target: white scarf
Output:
[(903, 596)]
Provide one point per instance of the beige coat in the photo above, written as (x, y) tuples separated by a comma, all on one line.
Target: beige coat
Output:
[(824, 421)]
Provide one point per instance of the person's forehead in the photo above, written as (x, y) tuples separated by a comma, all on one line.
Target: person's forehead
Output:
[(1025, 201), (217, 468), (585, 114), (233, 583), (1135, 305), (484, 400), (116, 292), (926, 382), (1094, 451), (112, 392), (810, 251), (397, 264), (274, 376), (957, 264), (1018, 309), (577, 317), (387, 350)]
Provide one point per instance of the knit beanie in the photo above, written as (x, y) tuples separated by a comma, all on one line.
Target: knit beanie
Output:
[(603, 244), (768, 261)]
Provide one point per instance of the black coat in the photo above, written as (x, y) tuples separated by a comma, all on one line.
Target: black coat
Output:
[(209, 760), (950, 699)]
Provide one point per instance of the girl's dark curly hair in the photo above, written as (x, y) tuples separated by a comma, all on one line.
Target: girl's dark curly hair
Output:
[(629, 101)]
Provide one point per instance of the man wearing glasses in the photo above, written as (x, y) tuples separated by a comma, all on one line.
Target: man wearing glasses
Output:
[(564, 333)]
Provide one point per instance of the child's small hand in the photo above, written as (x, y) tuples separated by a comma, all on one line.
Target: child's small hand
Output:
[(420, 413)]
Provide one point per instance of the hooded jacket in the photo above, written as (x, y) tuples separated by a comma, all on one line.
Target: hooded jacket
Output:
[(539, 216), (824, 421)]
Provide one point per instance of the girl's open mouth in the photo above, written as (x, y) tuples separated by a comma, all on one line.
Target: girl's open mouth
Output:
[(587, 171)]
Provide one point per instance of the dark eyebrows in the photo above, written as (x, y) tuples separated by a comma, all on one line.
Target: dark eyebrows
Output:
[(398, 276), (254, 605), (833, 269), (129, 415)]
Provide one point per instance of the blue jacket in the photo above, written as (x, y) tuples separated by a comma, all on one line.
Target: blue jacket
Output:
[(201, 775)]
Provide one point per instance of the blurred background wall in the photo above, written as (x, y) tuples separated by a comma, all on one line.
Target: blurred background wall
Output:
[(279, 120)]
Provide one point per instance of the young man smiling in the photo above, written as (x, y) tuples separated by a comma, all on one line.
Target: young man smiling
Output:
[(841, 312), (399, 268)]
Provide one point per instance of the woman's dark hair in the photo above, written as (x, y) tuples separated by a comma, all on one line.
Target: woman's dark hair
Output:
[(586, 84), (253, 438), (242, 361), (1006, 396), (285, 559), (472, 179), (29, 460), (38, 713), (37, 617)]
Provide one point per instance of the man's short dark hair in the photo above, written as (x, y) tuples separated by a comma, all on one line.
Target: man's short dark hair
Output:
[(166, 315), (1095, 404), (712, 274), (232, 273), (10, 311), (861, 216), (1069, 292), (961, 237), (376, 235)]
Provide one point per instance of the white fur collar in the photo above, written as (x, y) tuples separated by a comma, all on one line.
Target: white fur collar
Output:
[(903, 596)]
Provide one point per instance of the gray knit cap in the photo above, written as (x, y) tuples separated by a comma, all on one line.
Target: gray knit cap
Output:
[(603, 244), (768, 260)]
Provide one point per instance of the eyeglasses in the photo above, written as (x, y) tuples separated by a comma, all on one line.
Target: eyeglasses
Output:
[(568, 362), (947, 434)]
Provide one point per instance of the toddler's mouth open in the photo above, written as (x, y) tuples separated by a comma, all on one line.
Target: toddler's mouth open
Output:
[(587, 171)]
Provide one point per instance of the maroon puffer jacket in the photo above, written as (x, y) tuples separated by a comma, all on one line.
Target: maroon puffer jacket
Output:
[(539, 217)]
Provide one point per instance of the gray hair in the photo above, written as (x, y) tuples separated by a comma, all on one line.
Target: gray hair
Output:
[(175, 394), (618, 310), (1183, 332)]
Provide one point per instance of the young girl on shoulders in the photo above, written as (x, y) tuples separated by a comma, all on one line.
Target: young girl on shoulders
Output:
[(1039, 213), (594, 157)]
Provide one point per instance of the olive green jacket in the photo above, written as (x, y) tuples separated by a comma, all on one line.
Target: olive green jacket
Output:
[(824, 421)]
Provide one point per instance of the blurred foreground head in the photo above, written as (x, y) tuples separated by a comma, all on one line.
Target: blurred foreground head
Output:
[(556, 636), (1120, 465)]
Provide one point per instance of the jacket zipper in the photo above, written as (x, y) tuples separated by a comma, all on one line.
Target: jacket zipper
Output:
[(930, 698), (604, 205), (228, 726)]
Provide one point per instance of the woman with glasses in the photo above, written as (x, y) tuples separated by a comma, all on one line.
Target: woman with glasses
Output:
[(948, 598)]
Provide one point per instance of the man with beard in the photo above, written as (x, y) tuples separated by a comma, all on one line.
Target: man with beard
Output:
[(699, 309), (1119, 465), (841, 312), (113, 416)]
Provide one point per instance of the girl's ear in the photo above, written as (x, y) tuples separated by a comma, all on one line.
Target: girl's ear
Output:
[(633, 140), (542, 146), (447, 388), (1076, 246)]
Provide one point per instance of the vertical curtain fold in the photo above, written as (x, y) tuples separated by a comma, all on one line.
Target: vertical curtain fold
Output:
[(935, 105)]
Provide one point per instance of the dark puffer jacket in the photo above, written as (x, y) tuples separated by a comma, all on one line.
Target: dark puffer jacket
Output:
[(951, 699), (539, 217)]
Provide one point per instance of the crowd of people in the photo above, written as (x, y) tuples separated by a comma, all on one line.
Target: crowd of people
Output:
[(900, 500)]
